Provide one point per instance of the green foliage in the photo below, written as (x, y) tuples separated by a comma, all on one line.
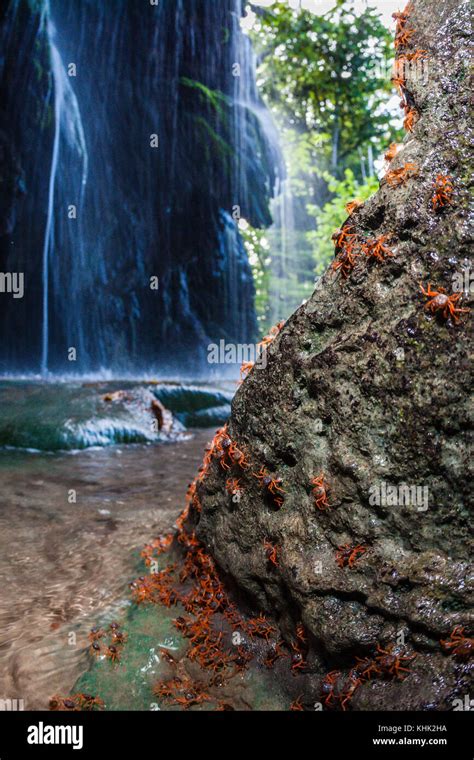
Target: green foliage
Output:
[(209, 111), (281, 283), (325, 77), (334, 213), (257, 246), (215, 98)]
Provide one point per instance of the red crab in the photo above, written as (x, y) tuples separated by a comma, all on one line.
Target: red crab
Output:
[(242, 658), (411, 117), (162, 543), (301, 633), (346, 261), (63, 704), (458, 645), (343, 236), (271, 552), (345, 241), (246, 369), (399, 82), (391, 152), (96, 634), (329, 691), (274, 653), (353, 206), (342, 693), (232, 486), (119, 637), (349, 688), (112, 653), (260, 627), (191, 697), (238, 456), (375, 248), (165, 689), (76, 702), (218, 449), (272, 485), (418, 55), (320, 493), (401, 17), (297, 705), (443, 192), (366, 668), (95, 649), (298, 661), (268, 339), (390, 663), (441, 302), (347, 555), (399, 176), (403, 37), (89, 702)]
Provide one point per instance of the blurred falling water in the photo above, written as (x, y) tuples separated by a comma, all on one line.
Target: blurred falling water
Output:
[(282, 236), (67, 126), (291, 267)]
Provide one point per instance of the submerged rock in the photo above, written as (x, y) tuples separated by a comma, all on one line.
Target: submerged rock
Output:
[(163, 417), (367, 389)]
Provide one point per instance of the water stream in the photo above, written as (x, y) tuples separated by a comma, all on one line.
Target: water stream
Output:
[(78, 499)]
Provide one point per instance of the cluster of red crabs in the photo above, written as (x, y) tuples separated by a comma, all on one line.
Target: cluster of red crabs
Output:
[(349, 247), (209, 617)]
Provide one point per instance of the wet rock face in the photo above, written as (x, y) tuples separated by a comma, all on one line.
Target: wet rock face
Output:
[(368, 388)]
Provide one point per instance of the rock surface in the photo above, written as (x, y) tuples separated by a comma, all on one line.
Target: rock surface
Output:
[(367, 387)]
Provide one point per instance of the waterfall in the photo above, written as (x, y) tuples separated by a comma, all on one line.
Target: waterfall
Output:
[(291, 254), (49, 232), (67, 124), (285, 223), (253, 115), (153, 142), (284, 253)]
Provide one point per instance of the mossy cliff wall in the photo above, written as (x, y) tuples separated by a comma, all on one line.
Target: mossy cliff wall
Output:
[(365, 385)]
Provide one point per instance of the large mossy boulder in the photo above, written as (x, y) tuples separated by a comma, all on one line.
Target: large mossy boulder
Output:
[(367, 387)]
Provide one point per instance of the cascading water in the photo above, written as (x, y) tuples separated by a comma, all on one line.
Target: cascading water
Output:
[(171, 137), (291, 255), (253, 114), (48, 237), (68, 126), (282, 236)]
